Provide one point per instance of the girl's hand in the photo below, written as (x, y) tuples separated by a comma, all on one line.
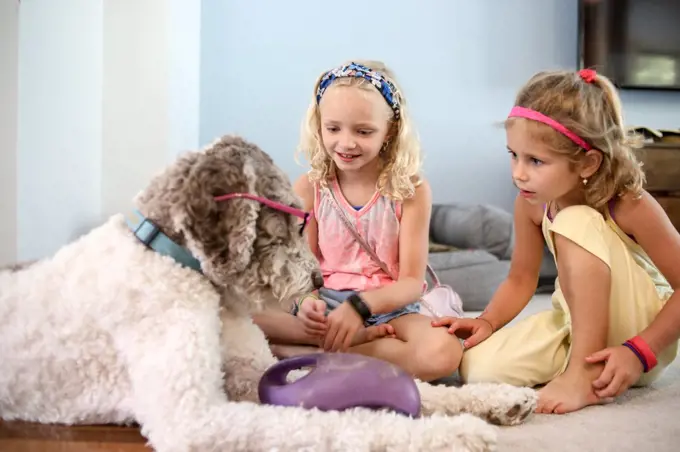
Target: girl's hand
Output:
[(473, 331), (312, 314), (343, 324), (622, 369)]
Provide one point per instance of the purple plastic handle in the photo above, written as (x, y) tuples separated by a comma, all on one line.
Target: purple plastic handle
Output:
[(339, 381), (276, 375)]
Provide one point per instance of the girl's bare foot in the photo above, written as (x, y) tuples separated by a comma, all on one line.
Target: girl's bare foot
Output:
[(372, 333), (569, 392)]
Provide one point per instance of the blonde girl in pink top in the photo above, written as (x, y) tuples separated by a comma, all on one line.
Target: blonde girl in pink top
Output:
[(363, 151)]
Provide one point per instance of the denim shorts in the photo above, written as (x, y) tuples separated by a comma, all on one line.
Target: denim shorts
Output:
[(333, 298)]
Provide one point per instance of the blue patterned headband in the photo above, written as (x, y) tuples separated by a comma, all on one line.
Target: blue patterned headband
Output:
[(377, 79)]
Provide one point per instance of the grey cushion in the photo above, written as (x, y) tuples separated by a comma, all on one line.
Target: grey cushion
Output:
[(460, 258), (473, 226), (475, 284)]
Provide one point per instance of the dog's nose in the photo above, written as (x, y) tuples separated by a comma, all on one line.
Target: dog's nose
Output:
[(317, 280)]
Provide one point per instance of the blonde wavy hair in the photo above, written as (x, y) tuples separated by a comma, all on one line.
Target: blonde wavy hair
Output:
[(400, 159), (592, 111)]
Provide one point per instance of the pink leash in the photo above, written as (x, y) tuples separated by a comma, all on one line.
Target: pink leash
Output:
[(268, 202)]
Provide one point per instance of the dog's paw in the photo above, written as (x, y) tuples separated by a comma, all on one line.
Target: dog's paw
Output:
[(503, 404), (498, 404)]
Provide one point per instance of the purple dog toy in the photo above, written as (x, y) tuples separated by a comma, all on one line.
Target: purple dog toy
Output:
[(339, 381)]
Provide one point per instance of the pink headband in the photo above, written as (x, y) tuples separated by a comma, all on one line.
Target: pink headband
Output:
[(521, 112)]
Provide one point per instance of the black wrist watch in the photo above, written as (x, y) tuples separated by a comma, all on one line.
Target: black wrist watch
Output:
[(359, 306)]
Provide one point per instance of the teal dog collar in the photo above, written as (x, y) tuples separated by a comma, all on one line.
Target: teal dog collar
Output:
[(151, 236)]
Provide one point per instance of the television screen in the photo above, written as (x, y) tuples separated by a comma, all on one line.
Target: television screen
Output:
[(636, 43)]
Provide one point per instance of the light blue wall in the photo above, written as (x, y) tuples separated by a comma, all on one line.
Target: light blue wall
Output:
[(460, 63), (60, 123), (184, 60), (9, 80), (108, 95), (652, 108)]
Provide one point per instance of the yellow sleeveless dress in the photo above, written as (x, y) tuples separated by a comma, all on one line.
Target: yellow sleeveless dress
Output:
[(536, 349)]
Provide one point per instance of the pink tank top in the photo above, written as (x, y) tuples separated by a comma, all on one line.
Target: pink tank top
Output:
[(344, 263)]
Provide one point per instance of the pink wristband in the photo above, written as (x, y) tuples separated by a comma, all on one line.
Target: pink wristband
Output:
[(645, 351)]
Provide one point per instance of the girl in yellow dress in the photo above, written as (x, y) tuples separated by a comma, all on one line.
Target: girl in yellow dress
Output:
[(615, 320)]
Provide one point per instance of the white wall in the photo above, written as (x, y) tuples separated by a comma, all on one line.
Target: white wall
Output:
[(60, 122), (109, 95), (9, 67), (135, 102), (151, 92)]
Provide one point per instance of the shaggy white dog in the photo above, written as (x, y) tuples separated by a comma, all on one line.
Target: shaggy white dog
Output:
[(110, 331)]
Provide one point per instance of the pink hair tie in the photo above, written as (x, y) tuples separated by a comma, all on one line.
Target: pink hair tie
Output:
[(522, 112), (588, 75)]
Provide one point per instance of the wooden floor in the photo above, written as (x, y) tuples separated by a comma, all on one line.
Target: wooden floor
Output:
[(25, 437)]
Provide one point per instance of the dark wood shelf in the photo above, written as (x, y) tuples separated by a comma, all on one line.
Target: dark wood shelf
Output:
[(661, 164)]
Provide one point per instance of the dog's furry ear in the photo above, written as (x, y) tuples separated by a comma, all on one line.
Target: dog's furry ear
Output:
[(220, 234)]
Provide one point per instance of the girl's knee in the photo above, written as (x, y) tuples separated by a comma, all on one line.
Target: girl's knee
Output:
[(438, 357)]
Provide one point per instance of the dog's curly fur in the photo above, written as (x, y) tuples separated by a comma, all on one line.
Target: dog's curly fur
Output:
[(108, 331), (240, 243)]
